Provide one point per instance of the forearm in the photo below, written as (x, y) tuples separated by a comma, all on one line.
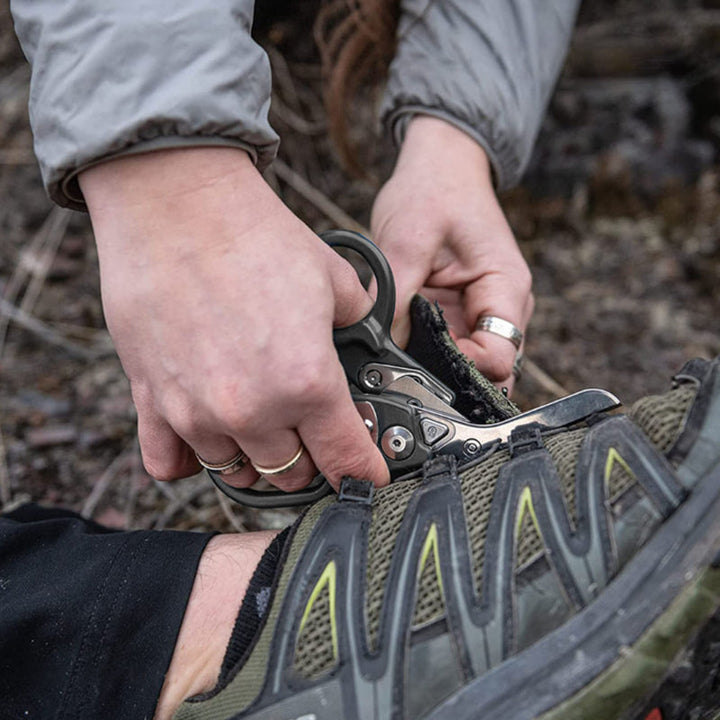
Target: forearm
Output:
[(488, 68), (130, 76)]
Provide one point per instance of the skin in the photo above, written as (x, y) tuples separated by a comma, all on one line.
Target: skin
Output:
[(224, 573), (221, 303), (440, 225)]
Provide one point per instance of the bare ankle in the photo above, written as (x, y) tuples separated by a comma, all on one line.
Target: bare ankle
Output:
[(222, 579)]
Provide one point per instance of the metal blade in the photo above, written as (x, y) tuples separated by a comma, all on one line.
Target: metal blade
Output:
[(466, 439)]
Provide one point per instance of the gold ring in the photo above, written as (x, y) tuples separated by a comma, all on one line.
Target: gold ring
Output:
[(225, 468), (280, 469)]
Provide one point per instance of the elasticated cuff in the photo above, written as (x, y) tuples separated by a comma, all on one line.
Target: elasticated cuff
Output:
[(66, 191)]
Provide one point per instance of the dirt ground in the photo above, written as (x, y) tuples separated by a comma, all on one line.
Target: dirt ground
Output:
[(619, 219)]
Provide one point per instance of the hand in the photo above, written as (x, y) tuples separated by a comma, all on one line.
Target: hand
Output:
[(221, 304), (439, 223)]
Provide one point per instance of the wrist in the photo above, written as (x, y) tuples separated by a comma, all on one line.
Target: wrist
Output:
[(432, 141), (172, 205), (163, 177)]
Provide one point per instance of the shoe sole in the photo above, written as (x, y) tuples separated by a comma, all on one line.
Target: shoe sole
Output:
[(616, 651)]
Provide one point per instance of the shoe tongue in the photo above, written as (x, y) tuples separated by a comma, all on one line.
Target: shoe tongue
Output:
[(431, 345)]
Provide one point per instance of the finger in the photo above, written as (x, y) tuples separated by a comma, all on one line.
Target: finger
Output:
[(221, 450), (338, 440), (498, 295), (276, 449), (166, 456), (411, 268)]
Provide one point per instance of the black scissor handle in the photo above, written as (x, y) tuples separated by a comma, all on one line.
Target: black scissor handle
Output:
[(381, 314), (369, 340), (366, 341), (264, 499)]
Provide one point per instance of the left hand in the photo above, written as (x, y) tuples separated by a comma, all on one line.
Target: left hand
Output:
[(439, 223)]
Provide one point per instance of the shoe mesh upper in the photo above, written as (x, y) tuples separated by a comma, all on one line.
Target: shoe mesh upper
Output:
[(619, 482), (529, 542), (314, 654), (564, 449), (429, 605), (388, 511), (660, 417)]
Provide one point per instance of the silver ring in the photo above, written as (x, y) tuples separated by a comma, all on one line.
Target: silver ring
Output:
[(225, 468), (503, 328), (517, 366), (280, 469)]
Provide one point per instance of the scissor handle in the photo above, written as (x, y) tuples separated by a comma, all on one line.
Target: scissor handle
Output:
[(383, 310), (369, 339), (264, 499)]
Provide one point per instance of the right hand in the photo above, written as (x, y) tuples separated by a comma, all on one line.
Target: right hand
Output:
[(221, 304)]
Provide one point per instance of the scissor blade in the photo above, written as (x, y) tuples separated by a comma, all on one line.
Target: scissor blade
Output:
[(462, 437), (407, 385)]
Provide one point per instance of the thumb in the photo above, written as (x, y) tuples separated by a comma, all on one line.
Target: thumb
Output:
[(411, 268), (352, 301)]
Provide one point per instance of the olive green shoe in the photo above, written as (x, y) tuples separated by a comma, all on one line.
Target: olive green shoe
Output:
[(558, 576)]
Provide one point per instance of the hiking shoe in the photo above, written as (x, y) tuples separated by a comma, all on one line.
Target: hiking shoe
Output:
[(558, 576)]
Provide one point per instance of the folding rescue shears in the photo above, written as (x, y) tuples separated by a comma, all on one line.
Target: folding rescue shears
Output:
[(408, 412)]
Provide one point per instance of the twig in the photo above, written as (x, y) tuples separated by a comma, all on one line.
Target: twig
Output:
[(543, 379), (5, 490), (227, 511), (55, 233), (20, 273), (180, 503), (294, 120), (288, 106), (46, 333), (101, 485), (98, 337), (323, 203)]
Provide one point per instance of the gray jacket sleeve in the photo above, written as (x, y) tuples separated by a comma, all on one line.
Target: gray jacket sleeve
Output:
[(487, 66), (121, 76)]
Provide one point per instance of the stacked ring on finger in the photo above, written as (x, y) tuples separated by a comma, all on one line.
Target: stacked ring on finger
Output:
[(228, 467), (280, 469)]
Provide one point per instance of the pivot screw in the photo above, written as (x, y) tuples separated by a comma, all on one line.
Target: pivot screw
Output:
[(471, 447), (373, 378), (397, 442)]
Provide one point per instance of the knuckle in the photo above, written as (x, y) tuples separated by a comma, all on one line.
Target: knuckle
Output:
[(238, 416), (233, 406), (309, 381), (185, 423)]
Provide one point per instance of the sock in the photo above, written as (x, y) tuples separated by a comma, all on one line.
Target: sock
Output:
[(254, 606)]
